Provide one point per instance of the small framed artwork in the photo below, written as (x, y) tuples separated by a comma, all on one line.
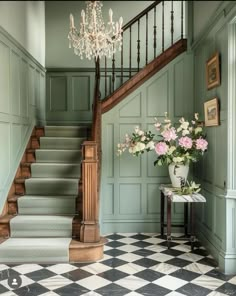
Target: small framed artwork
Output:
[(211, 111), (213, 71)]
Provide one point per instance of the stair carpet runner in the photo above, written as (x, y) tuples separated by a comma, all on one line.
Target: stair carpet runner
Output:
[(42, 230)]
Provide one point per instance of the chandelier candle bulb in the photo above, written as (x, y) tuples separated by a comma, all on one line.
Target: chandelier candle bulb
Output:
[(110, 15), (72, 25), (83, 16)]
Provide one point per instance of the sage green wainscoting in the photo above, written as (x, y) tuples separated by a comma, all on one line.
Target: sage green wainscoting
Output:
[(22, 105), (130, 198), (69, 97), (70, 93), (216, 219)]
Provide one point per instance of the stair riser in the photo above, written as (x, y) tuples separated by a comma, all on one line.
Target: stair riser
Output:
[(51, 188), (55, 171), (66, 132), (58, 156), (47, 206), (57, 143)]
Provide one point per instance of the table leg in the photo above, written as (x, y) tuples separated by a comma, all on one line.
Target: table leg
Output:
[(168, 221), (162, 213), (192, 238), (186, 218)]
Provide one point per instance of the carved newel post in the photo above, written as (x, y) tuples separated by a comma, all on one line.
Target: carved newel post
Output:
[(90, 227)]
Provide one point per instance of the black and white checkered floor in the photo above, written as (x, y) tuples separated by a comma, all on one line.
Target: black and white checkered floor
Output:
[(133, 265)]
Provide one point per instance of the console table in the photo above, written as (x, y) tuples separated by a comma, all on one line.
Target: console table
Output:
[(168, 193)]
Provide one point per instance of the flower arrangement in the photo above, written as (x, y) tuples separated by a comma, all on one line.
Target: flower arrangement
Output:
[(179, 145)]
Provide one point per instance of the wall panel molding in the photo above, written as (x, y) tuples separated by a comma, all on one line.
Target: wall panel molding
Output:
[(136, 181), (19, 100)]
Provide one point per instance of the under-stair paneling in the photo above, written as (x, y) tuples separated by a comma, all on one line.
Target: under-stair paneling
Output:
[(215, 218), (130, 197), (19, 99), (69, 97)]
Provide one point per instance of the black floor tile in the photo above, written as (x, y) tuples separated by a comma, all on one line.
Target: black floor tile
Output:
[(7, 273), (115, 236), (152, 289), (141, 244), (219, 275), (178, 262), (112, 290), (143, 252), (184, 274), (208, 261), (34, 289), (3, 289), (114, 244), (149, 275), (113, 275), (140, 236), (146, 262), (39, 275), (193, 290), (114, 252), (173, 252), (228, 289), (76, 275), (71, 290), (114, 262)]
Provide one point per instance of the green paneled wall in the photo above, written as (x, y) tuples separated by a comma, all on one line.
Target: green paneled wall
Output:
[(69, 97), (216, 217), (22, 98), (130, 195)]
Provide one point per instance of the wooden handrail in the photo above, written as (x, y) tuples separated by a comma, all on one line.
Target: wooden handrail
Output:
[(141, 14)]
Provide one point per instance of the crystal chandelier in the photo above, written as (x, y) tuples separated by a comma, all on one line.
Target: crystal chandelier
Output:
[(94, 39)]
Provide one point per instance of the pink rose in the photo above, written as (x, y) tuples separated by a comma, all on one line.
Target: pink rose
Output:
[(186, 142), (161, 148), (169, 134), (201, 144)]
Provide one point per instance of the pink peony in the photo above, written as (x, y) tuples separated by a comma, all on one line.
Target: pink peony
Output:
[(201, 144), (161, 148), (186, 142), (169, 134)]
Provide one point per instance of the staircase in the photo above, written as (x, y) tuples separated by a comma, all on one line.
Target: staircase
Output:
[(46, 205), (51, 214)]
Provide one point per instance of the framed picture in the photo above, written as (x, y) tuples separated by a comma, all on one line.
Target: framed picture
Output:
[(213, 71), (211, 111)]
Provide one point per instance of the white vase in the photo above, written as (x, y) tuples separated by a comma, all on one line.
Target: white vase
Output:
[(178, 174)]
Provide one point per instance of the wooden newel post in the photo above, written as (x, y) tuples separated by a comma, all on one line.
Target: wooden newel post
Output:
[(90, 227)]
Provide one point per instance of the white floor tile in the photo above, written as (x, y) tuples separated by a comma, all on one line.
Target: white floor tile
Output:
[(198, 267), (26, 268), (129, 257), (61, 268), (170, 282), (93, 282), (55, 282), (96, 268), (208, 282), (160, 257), (130, 268), (165, 268), (132, 282)]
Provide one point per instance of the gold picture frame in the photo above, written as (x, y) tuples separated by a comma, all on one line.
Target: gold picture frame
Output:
[(211, 112), (213, 71)]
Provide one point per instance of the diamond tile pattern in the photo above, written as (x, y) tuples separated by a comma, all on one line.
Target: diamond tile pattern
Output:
[(134, 264)]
